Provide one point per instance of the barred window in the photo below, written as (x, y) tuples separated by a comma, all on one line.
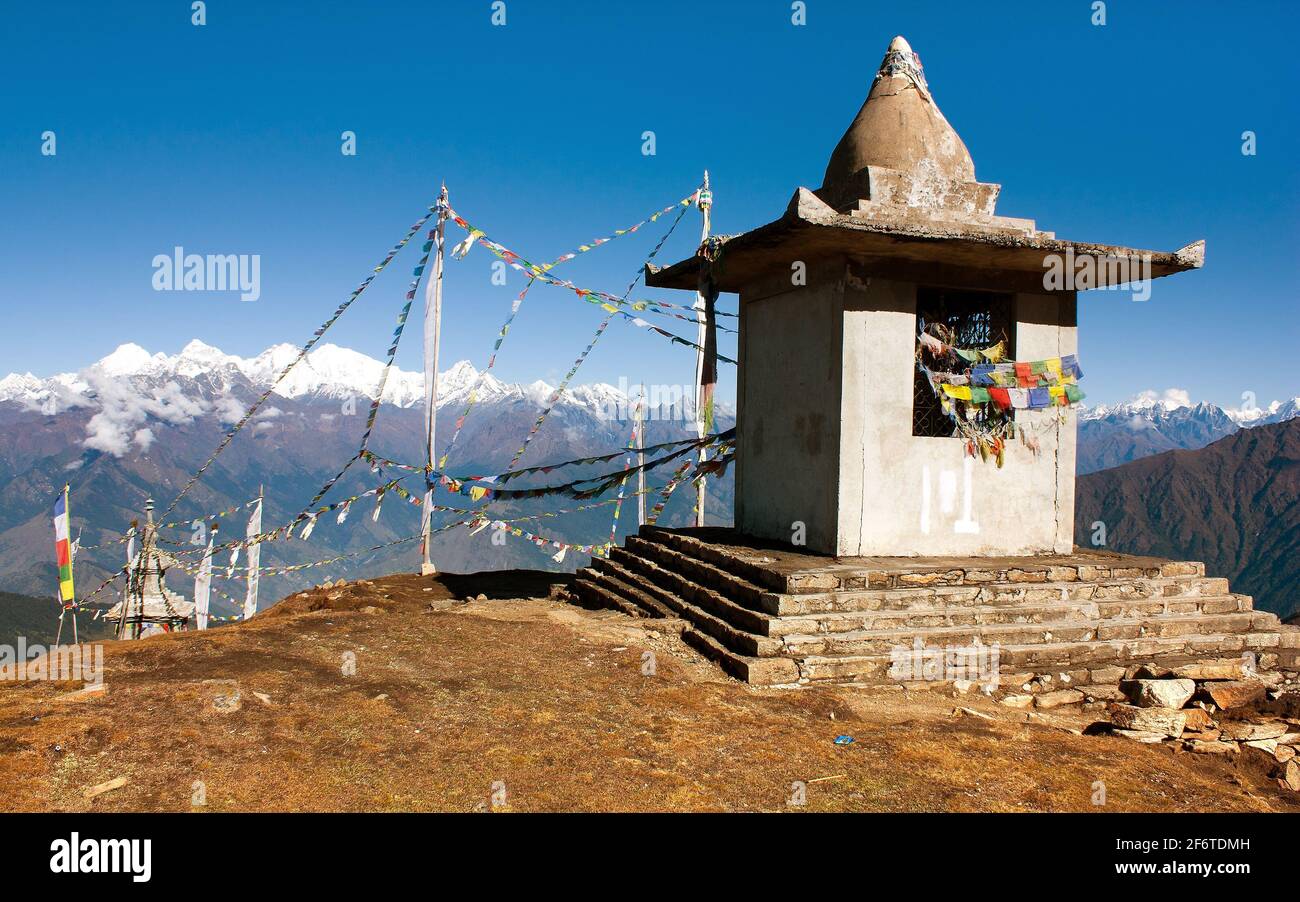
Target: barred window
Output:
[(976, 319)]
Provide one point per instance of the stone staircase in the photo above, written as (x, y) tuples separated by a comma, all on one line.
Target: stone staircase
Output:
[(773, 616)]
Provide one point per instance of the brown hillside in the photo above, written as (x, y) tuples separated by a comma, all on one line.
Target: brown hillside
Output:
[(550, 700)]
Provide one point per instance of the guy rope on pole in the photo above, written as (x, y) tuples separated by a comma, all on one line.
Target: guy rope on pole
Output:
[(302, 352)]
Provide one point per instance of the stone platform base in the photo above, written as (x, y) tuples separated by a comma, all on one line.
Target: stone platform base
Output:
[(772, 616)]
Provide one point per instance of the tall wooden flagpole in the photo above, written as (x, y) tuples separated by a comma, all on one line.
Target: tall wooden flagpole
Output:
[(432, 328), (705, 204)]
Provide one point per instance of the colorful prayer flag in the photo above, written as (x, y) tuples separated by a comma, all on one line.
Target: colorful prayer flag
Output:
[(63, 548)]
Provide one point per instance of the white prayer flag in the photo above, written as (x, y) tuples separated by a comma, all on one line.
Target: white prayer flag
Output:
[(254, 560), (203, 585)]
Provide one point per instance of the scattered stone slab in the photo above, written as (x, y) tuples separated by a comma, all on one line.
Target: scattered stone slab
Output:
[(1018, 701), (1252, 732), (1144, 736), (1015, 679), (1173, 693), (115, 783), (227, 704), (1152, 720), (1212, 747), (1289, 778), (1284, 753), (80, 695), (1234, 693), (1198, 719), (1221, 670), (1058, 697), (1104, 693), (1103, 675), (971, 712)]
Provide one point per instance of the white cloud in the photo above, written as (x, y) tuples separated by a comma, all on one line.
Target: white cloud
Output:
[(1169, 399), (124, 410), (229, 410)]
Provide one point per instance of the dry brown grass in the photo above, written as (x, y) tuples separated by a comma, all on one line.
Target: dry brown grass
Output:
[(550, 700)]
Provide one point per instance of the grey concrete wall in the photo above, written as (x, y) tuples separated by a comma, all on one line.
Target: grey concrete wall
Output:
[(788, 408), (908, 495), (825, 429)]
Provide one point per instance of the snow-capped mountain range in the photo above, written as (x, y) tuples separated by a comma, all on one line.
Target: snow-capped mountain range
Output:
[(138, 424), (1153, 422), (1150, 404), (131, 386), (329, 371)]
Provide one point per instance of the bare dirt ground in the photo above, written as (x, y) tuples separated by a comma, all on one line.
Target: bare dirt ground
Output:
[(550, 701)]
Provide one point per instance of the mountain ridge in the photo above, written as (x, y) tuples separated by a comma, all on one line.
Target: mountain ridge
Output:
[(1234, 504), (137, 425), (1110, 435)]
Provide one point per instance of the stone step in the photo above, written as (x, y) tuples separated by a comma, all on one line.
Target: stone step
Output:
[(836, 577), (869, 642), (753, 670), (753, 573), (751, 595), (647, 601), (769, 624), (687, 590), (993, 594), (717, 628), (916, 608), (1066, 612), (591, 594), (702, 573), (1051, 656)]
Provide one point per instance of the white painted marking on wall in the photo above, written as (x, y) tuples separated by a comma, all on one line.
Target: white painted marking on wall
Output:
[(967, 523), (925, 499), (947, 491)]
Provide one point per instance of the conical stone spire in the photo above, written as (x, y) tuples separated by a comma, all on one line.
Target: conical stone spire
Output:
[(898, 128)]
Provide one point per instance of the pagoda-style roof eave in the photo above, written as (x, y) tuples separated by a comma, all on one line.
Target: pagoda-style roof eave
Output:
[(952, 252)]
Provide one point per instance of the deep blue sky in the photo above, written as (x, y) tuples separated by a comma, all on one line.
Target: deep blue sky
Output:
[(225, 139)]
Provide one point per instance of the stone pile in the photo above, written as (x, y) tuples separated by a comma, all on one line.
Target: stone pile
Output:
[(1214, 708)]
